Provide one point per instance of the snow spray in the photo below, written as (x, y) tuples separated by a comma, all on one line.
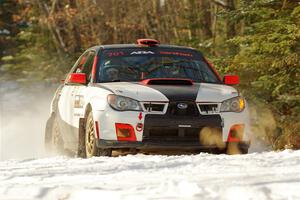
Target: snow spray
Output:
[(24, 110)]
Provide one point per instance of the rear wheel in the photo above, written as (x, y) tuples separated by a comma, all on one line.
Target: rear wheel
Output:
[(53, 138), (91, 148)]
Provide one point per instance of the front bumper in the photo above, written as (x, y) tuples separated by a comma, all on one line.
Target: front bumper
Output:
[(161, 146), (167, 130), (175, 133)]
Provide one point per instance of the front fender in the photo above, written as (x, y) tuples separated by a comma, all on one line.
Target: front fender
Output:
[(97, 104)]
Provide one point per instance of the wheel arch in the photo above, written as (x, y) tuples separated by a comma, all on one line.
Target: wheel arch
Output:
[(87, 109), (55, 99)]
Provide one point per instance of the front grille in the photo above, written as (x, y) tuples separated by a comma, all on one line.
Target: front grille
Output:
[(189, 135), (175, 130), (176, 110), (209, 108), (154, 107)]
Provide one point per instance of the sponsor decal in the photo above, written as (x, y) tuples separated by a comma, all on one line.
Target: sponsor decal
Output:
[(184, 126), (78, 114), (140, 116), (116, 53), (176, 53), (139, 127), (79, 101), (141, 52)]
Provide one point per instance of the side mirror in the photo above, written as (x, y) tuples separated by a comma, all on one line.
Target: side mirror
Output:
[(231, 79), (77, 78)]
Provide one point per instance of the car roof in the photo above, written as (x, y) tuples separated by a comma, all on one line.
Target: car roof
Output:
[(118, 46)]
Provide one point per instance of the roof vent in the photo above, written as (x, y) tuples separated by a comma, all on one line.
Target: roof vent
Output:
[(147, 42), (167, 81)]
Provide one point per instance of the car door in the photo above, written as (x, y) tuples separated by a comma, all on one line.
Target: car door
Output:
[(68, 125), (79, 91)]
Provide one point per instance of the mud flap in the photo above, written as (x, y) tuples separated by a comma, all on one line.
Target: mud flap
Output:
[(81, 138)]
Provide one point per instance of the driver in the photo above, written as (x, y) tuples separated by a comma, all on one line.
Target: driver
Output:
[(112, 74), (174, 71)]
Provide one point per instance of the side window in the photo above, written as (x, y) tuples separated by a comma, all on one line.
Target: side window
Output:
[(207, 73), (88, 65), (80, 63), (85, 64)]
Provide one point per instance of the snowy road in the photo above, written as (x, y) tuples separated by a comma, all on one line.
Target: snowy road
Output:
[(272, 175)]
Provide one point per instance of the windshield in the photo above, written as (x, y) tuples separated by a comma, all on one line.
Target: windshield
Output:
[(135, 65)]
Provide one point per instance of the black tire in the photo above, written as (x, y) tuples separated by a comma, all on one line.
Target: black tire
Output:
[(53, 139), (217, 151), (90, 147), (244, 150), (234, 148)]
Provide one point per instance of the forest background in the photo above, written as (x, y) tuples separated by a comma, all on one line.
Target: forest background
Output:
[(259, 40)]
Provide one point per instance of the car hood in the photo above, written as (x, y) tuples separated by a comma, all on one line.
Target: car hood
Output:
[(200, 92)]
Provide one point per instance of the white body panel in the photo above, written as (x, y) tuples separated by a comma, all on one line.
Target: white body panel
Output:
[(136, 91), (215, 92)]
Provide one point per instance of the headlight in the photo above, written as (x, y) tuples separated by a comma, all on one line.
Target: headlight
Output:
[(236, 104), (123, 103)]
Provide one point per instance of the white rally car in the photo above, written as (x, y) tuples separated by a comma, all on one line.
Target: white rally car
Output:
[(146, 96)]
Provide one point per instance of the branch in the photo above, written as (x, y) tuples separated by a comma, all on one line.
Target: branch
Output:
[(222, 4), (52, 7), (58, 40)]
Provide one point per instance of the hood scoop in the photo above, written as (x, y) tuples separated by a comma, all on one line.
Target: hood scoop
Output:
[(167, 81)]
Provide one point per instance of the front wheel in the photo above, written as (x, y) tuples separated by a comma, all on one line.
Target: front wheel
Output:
[(234, 148), (91, 148)]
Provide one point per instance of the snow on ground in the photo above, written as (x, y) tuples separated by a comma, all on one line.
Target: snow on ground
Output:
[(268, 175)]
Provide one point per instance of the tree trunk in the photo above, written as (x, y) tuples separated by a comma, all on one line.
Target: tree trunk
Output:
[(230, 24), (206, 30), (75, 29), (57, 38), (114, 21)]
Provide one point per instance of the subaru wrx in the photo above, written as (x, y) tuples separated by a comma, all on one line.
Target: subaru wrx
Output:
[(147, 96)]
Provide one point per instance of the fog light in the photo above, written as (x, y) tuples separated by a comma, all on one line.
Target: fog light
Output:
[(125, 132)]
